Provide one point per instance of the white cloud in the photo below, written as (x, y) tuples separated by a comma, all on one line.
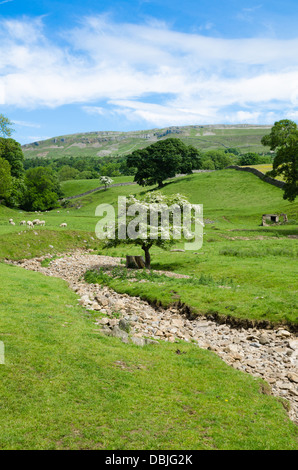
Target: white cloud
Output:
[(122, 64), (161, 115), (95, 110)]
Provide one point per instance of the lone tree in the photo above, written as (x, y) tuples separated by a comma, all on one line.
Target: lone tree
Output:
[(153, 226), (106, 181), (283, 138), (5, 129), (162, 160)]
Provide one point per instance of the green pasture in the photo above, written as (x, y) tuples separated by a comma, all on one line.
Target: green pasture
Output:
[(256, 265)]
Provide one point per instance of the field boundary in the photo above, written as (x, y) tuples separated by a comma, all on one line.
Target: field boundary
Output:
[(259, 174), (122, 184), (97, 189)]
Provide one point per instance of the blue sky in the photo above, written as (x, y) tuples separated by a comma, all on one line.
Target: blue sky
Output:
[(73, 66)]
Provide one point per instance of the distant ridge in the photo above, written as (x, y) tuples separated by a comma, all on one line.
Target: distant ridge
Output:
[(246, 137)]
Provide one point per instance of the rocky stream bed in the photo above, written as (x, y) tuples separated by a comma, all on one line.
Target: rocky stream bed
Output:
[(268, 353)]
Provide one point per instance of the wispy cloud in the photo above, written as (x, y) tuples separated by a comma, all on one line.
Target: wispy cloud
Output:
[(5, 1), (26, 124), (248, 13), (94, 110), (121, 65)]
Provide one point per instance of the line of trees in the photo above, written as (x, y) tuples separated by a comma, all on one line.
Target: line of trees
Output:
[(70, 168)]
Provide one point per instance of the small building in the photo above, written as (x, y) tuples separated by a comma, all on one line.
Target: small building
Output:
[(273, 219)]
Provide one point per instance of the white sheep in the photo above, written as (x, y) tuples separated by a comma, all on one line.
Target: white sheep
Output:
[(41, 222), (23, 222), (12, 223), (30, 224), (10, 220), (36, 222), (63, 225)]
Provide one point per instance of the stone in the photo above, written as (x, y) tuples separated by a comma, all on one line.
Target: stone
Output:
[(264, 339), (251, 338), (118, 333), (150, 341), (231, 348), (177, 322), (106, 331), (119, 305), (293, 377), (283, 385), (171, 339), (84, 300), (102, 300), (236, 357), (251, 364), (283, 333), (138, 341), (158, 333), (293, 344), (124, 325)]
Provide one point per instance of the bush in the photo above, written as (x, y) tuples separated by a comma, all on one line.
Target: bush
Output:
[(249, 158), (219, 158)]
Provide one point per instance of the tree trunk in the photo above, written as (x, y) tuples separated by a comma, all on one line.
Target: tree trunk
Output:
[(135, 262), (147, 256)]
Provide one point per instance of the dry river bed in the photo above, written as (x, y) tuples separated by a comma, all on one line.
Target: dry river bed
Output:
[(271, 354)]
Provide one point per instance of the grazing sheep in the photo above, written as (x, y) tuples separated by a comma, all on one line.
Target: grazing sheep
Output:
[(23, 222), (30, 224), (10, 220), (41, 222), (36, 222), (63, 225), (12, 223)]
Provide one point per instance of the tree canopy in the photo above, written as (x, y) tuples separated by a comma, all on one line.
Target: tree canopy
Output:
[(106, 181), (162, 160), (155, 225), (283, 138), (216, 159), (249, 158), (5, 178), (43, 189), (11, 150), (5, 129)]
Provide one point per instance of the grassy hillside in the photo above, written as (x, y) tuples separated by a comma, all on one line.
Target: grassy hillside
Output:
[(247, 138), (74, 187)]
